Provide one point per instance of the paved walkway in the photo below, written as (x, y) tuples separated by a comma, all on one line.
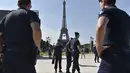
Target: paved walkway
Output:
[(87, 65)]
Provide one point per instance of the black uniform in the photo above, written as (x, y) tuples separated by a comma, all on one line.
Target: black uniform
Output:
[(20, 53), (96, 58), (115, 58), (74, 43), (68, 56), (58, 56)]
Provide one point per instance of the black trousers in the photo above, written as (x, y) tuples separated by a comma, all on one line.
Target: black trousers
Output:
[(11, 68), (58, 60), (75, 62), (69, 60), (106, 67), (96, 58), (18, 61), (114, 61)]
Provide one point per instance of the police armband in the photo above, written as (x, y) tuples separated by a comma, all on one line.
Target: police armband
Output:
[(104, 12)]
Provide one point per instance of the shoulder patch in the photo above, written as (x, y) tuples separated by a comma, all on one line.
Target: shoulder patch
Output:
[(101, 12)]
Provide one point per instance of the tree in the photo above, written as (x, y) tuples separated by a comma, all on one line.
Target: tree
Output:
[(43, 45)]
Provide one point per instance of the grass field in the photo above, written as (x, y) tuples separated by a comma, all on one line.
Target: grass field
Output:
[(46, 53)]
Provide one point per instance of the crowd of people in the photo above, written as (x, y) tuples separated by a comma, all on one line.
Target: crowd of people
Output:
[(21, 36)]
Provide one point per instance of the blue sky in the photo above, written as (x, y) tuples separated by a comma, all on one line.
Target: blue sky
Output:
[(81, 16)]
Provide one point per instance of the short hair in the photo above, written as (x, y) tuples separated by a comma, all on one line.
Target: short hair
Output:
[(109, 2), (58, 40), (76, 33), (23, 2)]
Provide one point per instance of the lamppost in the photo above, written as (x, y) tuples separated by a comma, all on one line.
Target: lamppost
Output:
[(91, 43)]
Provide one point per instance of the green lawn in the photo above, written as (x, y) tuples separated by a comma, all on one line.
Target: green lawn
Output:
[(43, 53), (46, 53)]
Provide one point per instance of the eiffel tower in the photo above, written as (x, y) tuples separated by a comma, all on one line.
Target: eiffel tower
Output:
[(64, 36)]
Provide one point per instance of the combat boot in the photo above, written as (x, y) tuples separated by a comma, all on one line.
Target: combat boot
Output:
[(60, 71), (55, 70)]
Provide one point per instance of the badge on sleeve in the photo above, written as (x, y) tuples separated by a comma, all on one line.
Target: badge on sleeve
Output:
[(100, 12)]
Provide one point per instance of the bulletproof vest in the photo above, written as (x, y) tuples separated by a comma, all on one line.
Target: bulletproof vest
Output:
[(118, 27), (17, 28), (73, 45)]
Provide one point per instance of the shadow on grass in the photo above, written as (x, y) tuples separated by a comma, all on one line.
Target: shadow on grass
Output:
[(87, 65)]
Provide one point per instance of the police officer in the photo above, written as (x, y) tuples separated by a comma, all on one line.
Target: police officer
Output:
[(113, 38), (58, 56), (68, 55), (96, 58), (22, 34), (75, 45)]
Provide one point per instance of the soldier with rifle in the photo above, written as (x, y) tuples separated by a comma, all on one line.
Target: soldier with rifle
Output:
[(22, 36)]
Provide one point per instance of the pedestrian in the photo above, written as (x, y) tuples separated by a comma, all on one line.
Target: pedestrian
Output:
[(75, 45), (112, 38), (22, 36), (58, 56)]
